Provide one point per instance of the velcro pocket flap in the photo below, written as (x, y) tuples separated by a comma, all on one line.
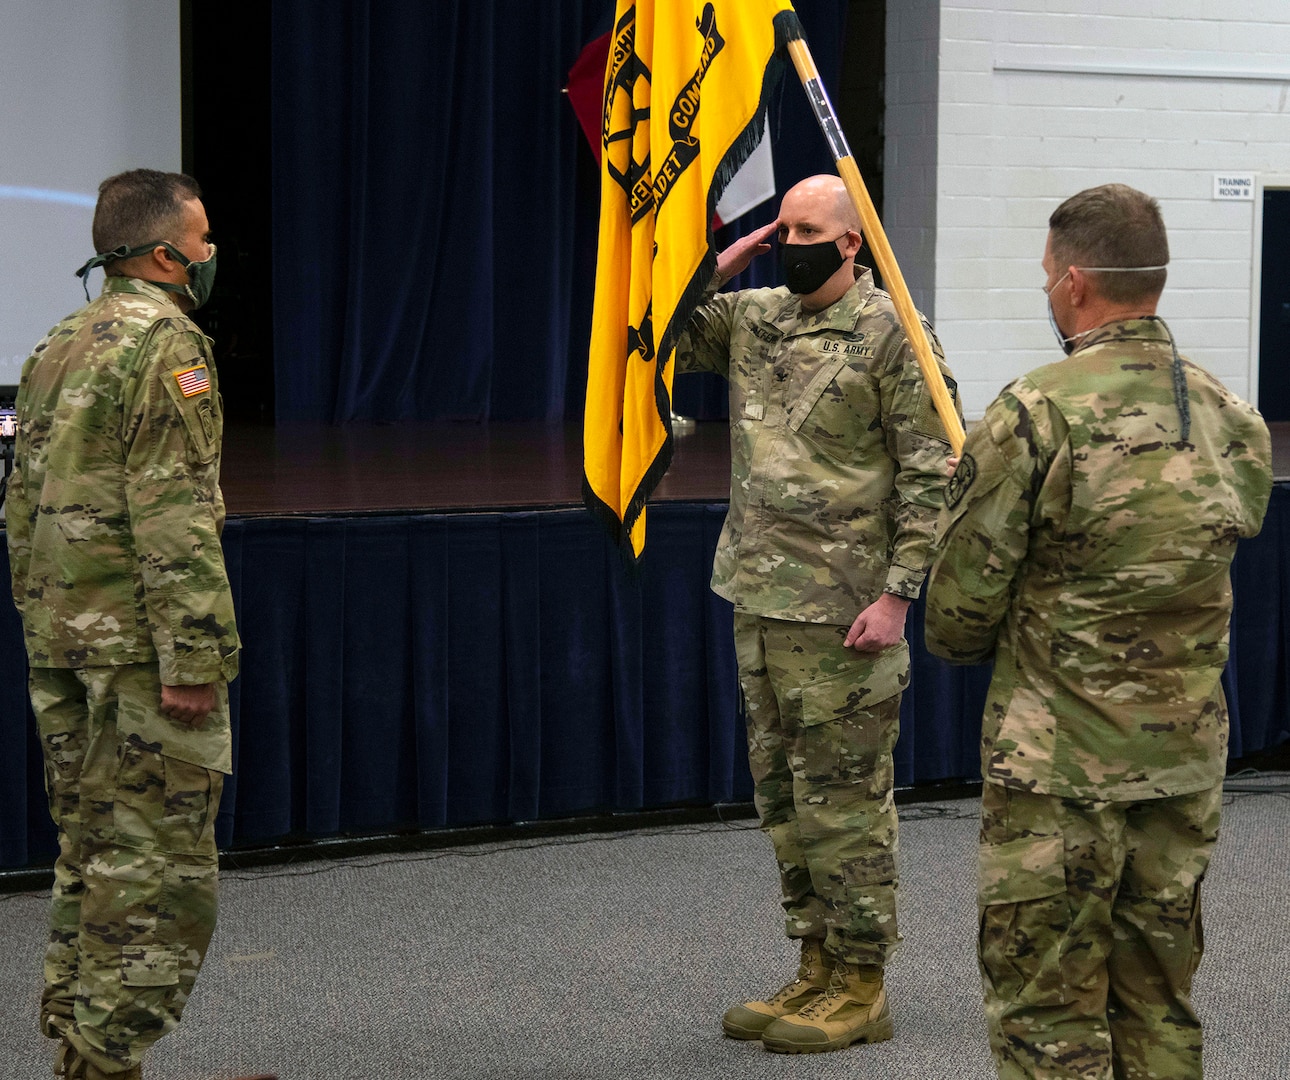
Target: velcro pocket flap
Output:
[(1028, 868), (858, 686), (149, 965), (803, 405)]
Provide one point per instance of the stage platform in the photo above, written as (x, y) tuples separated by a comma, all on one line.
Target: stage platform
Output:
[(438, 636), (296, 469), (439, 467)]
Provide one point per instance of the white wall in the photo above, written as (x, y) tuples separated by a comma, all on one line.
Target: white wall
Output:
[(90, 88), (910, 145), (1039, 99)]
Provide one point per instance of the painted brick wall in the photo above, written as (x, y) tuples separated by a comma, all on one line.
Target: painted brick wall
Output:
[(1023, 118), (910, 144)]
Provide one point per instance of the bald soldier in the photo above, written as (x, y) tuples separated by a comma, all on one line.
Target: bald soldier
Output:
[(1087, 540), (838, 464)]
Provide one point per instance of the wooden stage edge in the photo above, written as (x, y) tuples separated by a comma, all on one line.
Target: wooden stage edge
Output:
[(294, 469), (441, 467)]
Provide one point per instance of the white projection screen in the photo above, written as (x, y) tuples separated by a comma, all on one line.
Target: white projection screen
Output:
[(90, 88)]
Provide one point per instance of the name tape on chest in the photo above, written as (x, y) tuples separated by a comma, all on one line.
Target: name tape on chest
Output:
[(762, 333), (193, 381), (847, 348)]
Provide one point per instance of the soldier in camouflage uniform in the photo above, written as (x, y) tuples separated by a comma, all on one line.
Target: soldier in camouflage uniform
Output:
[(838, 466), (1086, 544), (114, 514)]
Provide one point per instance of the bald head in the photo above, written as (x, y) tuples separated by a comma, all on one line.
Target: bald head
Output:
[(824, 197)]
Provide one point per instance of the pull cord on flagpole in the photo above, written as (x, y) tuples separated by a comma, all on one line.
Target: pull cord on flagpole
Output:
[(878, 244)]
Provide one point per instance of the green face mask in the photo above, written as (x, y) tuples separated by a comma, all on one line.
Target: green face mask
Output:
[(201, 275)]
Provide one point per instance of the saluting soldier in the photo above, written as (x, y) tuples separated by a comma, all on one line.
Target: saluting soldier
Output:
[(838, 465), (1086, 546)]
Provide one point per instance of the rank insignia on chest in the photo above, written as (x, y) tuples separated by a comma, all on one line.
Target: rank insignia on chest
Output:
[(193, 380)]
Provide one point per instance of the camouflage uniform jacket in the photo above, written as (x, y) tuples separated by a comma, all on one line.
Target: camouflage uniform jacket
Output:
[(837, 454), (114, 509), (1086, 547)]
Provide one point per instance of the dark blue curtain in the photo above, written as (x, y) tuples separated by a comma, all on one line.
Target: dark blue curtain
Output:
[(27, 835), (451, 670), (439, 670), (435, 206)]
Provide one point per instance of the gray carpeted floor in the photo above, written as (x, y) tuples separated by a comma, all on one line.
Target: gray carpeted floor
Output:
[(613, 956)]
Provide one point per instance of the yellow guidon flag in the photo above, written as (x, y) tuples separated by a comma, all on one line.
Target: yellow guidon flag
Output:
[(686, 86)]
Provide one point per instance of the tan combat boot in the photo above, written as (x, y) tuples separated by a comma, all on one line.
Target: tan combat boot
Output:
[(853, 1009), (749, 1020)]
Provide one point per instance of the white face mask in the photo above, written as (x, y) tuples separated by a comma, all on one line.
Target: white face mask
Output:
[(1068, 343)]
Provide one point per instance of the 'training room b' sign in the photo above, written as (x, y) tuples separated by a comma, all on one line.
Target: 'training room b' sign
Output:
[(1234, 186)]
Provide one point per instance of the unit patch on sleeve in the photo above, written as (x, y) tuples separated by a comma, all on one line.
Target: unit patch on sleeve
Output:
[(960, 481), (193, 380)]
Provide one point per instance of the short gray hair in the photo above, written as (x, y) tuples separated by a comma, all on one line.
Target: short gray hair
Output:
[(140, 206), (1113, 225)]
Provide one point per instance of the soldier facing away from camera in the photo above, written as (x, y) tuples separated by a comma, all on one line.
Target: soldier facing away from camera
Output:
[(1086, 545)]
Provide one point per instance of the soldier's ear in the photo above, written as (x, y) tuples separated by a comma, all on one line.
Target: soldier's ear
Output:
[(161, 255), (1079, 286)]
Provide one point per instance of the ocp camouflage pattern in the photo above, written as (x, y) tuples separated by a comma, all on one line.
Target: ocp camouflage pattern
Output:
[(822, 722), (135, 888), (114, 509), (837, 453), (1088, 554), (1090, 933)]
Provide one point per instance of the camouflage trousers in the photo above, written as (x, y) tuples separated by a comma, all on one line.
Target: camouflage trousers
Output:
[(1091, 931), (822, 721), (134, 897)]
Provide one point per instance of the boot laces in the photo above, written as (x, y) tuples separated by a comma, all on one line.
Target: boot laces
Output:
[(824, 1003), (788, 990), (806, 973)]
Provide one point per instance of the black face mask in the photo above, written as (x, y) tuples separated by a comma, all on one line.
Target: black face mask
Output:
[(808, 266)]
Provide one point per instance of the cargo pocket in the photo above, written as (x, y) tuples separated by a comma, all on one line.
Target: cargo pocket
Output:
[(149, 965), (188, 826), (872, 868), (162, 803), (139, 802), (847, 732), (1025, 919)]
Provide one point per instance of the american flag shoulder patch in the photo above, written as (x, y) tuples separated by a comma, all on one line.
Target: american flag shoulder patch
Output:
[(193, 380)]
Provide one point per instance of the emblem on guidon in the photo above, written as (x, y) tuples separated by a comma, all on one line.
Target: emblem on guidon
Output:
[(625, 123)]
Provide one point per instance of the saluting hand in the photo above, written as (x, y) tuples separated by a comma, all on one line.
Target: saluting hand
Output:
[(735, 259)]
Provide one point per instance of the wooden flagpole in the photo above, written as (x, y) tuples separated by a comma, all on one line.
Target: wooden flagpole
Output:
[(873, 231)]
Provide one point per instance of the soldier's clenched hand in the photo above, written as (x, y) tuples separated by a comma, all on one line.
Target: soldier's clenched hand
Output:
[(879, 626), (188, 704)]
